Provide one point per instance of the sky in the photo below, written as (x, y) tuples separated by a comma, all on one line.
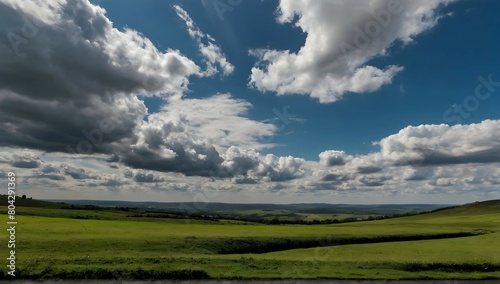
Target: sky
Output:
[(290, 101)]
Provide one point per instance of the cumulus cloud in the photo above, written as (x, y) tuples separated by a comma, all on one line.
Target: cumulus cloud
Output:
[(163, 144), (419, 154), (48, 172), (254, 166), (47, 169), (369, 169), (373, 181), (86, 79), (78, 173), (444, 144), (25, 161), (190, 135), (334, 178), (333, 158), (148, 177), (81, 71), (211, 52), (417, 173), (342, 37)]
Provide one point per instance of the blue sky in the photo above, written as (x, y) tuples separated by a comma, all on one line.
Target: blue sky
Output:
[(441, 69), (252, 101)]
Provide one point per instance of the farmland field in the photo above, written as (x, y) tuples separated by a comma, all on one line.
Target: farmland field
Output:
[(457, 243)]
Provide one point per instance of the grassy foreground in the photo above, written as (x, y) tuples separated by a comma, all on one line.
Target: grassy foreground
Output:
[(457, 243)]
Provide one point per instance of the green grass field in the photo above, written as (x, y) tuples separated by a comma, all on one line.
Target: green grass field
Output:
[(51, 242)]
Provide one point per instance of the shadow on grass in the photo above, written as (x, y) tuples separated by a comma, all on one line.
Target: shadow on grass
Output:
[(265, 245)]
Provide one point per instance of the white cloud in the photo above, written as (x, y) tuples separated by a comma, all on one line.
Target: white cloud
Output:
[(250, 166), (426, 156), (444, 144), (221, 121), (342, 37), (211, 52)]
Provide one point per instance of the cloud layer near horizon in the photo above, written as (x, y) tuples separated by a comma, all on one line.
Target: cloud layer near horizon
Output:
[(425, 159)]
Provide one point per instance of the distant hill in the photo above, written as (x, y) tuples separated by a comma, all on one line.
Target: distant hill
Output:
[(476, 208), (31, 202), (248, 211), (267, 213)]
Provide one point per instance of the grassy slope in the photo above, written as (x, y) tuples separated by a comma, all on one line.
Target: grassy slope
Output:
[(54, 247), (474, 253)]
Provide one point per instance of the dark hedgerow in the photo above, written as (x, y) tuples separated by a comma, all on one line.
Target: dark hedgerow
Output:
[(450, 267), (182, 274), (105, 273)]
